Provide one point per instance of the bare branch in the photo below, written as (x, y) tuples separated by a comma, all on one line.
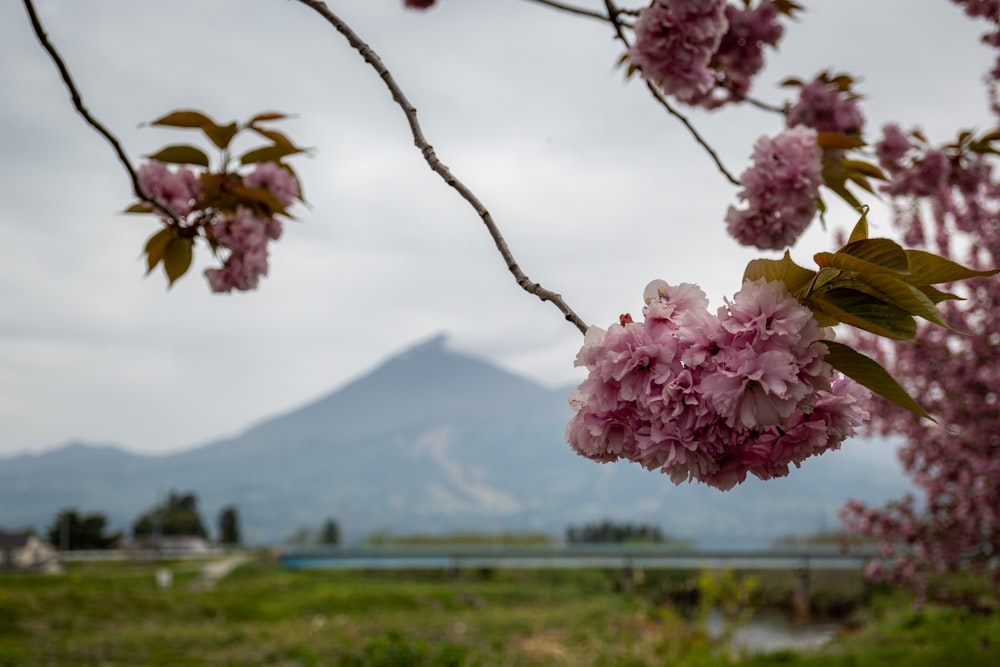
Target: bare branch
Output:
[(75, 96), (579, 11), (440, 168), (613, 13), (752, 101)]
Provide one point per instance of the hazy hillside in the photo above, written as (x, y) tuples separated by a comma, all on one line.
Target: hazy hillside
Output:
[(431, 440)]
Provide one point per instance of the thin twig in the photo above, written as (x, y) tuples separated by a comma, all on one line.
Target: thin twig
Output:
[(613, 13), (752, 101), (75, 96), (579, 11), (440, 168)]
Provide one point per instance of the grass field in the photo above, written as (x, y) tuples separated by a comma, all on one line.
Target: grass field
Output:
[(113, 614)]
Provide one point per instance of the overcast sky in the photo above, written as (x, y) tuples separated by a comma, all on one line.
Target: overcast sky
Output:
[(597, 190)]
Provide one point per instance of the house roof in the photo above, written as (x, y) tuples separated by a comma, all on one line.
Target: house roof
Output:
[(13, 540)]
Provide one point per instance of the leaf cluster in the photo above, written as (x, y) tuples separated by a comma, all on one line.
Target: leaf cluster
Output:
[(222, 136), (874, 285), (839, 170), (222, 191)]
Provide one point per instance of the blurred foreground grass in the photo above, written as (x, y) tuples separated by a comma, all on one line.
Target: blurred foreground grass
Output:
[(113, 614)]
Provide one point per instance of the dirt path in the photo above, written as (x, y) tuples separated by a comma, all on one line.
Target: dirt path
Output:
[(217, 569)]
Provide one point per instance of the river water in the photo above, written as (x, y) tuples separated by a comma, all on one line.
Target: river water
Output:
[(772, 630)]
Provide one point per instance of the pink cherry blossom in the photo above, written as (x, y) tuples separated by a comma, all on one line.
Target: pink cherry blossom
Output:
[(177, 190), (245, 235), (740, 55), (893, 146), (780, 188), (825, 108), (711, 398), (674, 44), (276, 179), (949, 197)]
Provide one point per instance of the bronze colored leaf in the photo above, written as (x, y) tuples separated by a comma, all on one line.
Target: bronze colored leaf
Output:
[(864, 311), (177, 257), (796, 278), (181, 154), (155, 246), (869, 373), (220, 135), (929, 269), (880, 252), (186, 118), (268, 153)]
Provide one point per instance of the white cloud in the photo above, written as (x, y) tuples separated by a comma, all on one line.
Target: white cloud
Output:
[(596, 188)]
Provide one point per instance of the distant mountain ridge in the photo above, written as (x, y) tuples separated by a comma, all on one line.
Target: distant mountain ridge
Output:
[(431, 440)]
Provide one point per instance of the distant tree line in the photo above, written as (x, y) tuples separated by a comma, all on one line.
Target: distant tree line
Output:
[(327, 535), (176, 516), (74, 531), (614, 532)]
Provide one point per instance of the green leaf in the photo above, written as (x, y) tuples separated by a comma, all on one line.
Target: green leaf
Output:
[(271, 153), (896, 292), (929, 269), (848, 262), (864, 311), (861, 182), (795, 277), (155, 246), (937, 296), (880, 252), (866, 168), (869, 373), (835, 177), (186, 118), (181, 154), (860, 231), (177, 257)]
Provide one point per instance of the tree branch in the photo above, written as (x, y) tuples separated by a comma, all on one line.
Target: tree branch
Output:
[(613, 13), (440, 168), (75, 96), (570, 9)]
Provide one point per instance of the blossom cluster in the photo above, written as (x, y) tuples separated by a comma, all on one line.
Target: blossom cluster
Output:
[(712, 397), (740, 56), (958, 184), (242, 233), (781, 189), (989, 10), (674, 44), (703, 52), (826, 106), (940, 195)]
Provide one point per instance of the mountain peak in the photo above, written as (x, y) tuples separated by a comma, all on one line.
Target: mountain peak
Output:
[(433, 345)]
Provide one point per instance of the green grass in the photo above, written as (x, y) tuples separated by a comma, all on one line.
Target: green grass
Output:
[(112, 614)]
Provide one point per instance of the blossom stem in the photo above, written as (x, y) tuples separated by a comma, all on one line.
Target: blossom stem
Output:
[(77, 99), (570, 9), (439, 167), (613, 13)]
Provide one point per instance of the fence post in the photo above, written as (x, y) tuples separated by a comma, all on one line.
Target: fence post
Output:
[(628, 575), (802, 601)]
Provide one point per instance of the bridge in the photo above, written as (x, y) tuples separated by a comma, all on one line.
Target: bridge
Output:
[(458, 557), (800, 560)]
